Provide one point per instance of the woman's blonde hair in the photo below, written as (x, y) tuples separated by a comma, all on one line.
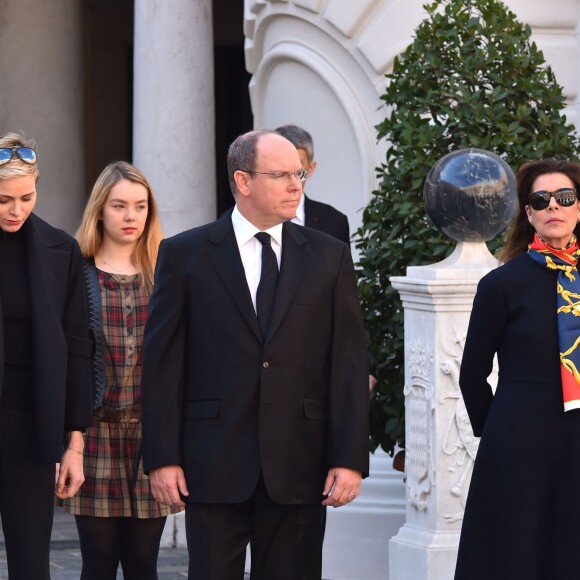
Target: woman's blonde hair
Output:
[(90, 232), (16, 167)]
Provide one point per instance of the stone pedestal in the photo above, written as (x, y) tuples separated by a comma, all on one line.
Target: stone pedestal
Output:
[(174, 532), (440, 446), (357, 535)]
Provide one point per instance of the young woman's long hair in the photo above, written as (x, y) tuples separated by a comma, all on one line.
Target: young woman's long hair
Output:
[(522, 232), (90, 232)]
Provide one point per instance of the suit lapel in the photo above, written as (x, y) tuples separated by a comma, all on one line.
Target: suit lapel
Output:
[(47, 264), (295, 259), (41, 257), (225, 257), (309, 216)]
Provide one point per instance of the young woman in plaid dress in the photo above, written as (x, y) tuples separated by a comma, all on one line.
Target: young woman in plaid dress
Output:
[(117, 518)]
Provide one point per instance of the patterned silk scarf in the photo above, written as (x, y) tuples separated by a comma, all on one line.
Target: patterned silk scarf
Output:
[(568, 312)]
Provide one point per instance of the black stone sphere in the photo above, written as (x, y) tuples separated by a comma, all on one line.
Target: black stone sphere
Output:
[(470, 195)]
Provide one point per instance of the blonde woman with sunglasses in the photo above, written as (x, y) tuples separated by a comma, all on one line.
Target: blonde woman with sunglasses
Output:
[(44, 365), (117, 518)]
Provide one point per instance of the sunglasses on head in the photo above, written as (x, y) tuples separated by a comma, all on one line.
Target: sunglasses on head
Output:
[(566, 196), (25, 154)]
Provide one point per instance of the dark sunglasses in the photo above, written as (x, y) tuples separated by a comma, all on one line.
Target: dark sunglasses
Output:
[(26, 154), (541, 199)]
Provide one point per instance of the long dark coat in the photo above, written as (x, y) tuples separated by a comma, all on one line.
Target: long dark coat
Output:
[(61, 342), (522, 519), (327, 219)]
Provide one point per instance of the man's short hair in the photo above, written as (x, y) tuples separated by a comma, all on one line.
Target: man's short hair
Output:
[(300, 138), (242, 154)]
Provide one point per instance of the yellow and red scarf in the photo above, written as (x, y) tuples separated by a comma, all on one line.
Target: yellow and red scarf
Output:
[(568, 312)]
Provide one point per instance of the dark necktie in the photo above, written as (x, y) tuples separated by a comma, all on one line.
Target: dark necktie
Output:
[(268, 280)]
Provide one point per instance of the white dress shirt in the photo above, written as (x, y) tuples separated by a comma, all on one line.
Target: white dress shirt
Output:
[(251, 249), (300, 218)]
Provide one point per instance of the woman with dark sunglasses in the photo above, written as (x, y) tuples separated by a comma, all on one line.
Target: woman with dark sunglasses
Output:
[(45, 354), (522, 518), (118, 520)]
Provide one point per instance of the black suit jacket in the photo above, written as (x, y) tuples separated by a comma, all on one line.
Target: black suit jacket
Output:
[(61, 343), (325, 218), (226, 405)]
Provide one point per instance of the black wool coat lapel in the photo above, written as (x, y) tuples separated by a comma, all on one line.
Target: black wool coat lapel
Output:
[(225, 257), (295, 259)]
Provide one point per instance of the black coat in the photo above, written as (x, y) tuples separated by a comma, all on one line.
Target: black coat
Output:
[(327, 219), (61, 344), (225, 405), (522, 518)]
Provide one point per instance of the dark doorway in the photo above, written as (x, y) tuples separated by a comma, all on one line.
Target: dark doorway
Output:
[(108, 56), (232, 98)]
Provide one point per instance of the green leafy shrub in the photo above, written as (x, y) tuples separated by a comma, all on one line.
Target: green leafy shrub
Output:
[(471, 78)]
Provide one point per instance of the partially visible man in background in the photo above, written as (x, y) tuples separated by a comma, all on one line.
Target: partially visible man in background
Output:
[(311, 213)]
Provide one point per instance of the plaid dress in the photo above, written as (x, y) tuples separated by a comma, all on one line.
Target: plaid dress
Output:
[(115, 485)]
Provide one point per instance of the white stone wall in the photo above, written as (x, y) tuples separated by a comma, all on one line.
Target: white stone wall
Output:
[(321, 64), (555, 30)]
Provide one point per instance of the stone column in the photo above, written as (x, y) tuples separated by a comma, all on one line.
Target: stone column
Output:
[(42, 95), (440, 446), (173, 123)]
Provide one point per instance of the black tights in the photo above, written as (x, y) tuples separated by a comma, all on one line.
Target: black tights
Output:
[(131, 541)]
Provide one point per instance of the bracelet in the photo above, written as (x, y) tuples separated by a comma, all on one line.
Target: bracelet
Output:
[(75, 450)]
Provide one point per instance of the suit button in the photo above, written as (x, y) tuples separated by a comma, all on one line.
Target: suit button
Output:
[(265, 364)]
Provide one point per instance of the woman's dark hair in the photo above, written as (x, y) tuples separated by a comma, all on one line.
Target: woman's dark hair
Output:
[(522, 232)]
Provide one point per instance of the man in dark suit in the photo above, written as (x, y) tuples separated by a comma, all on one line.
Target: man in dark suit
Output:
[(252, 425), (311, 213)]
